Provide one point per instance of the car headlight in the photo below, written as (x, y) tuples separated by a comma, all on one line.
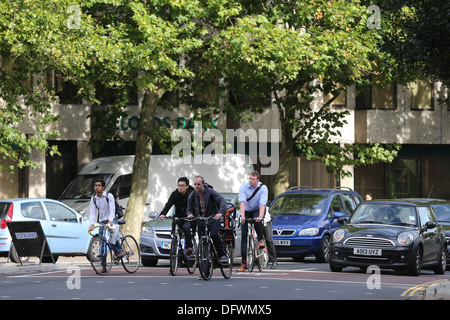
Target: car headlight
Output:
[(147, 231), (309, 232), (405, 238), (338, 235)]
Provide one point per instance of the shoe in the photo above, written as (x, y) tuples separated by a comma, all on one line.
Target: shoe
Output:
[(103, 270), (274, 265), (261, 244), (223, 259), (121, 254), (242, 268)]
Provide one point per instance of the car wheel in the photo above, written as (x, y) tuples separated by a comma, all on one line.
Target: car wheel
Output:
[(324, 252), (416, 263), (149, 262), (442, 261), (15, 257), (94, 247), (335, 268)]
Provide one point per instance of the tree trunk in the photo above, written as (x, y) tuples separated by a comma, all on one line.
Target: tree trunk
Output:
[(281, 181), (144, 146)]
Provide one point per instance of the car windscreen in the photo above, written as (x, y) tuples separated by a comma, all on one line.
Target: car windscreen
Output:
[(395, 214), (442, 212), (82, 187), (299, 204)]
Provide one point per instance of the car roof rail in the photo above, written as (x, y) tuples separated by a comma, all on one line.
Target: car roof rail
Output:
[(341, 187), (298, 187)]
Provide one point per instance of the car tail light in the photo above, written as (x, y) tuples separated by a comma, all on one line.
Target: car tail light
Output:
[(9, 215)]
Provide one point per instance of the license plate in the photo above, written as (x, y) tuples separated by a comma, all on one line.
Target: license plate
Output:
[(165, 245), (282, 242), (367, 251)]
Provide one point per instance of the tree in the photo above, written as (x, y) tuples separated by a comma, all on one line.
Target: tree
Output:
[(114, 44), (22, 96), (292, 51), (418, 37)]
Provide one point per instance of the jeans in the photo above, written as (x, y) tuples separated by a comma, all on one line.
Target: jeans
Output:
[(117, 247), (244, 232)]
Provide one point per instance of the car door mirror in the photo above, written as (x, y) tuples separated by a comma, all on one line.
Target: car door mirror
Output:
[(340, 217), (153, 215), (430, 225)]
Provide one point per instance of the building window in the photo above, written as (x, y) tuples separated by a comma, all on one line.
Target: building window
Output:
[(340, 102), (422, 95), (377, 98), (65, 90)]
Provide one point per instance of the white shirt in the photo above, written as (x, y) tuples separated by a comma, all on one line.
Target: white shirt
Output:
[(106, 208)]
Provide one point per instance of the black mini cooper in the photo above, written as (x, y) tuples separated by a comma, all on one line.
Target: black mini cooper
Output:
[(390, 234)]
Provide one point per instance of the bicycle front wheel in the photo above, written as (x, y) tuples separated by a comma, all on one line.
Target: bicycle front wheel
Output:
[(132, 258), (174, 254), (191, 260), (251, 247), (205, 265), (262, 258), (101, 258)]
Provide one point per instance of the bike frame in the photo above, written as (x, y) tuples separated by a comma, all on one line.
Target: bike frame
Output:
[(177, 250)]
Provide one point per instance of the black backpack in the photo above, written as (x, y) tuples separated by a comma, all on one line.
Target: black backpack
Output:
[(119, 208)]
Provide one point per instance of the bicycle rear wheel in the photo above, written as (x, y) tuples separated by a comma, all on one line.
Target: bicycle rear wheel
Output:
[(227, 268), (191, 260), (251, 252), (102, 258), (205, 264), (132, 258), (174, 255)]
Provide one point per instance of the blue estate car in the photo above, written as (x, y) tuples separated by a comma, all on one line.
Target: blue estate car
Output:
[(305, 219)]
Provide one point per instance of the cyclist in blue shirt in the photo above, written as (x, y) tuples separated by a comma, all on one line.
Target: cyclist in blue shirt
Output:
[(253, 197)]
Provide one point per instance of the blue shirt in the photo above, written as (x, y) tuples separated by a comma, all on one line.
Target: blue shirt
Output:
[(260, 198)]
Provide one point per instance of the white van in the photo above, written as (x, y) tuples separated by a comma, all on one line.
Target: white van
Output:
[(226, 174)]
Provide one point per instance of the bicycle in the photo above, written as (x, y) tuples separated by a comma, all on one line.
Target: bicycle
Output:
[(177, 252), (207, 254), (254, 252), (130, 260)]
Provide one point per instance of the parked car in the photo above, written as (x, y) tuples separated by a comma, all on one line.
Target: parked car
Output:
[(391, 234), (305, 219), (156, 235), (65, 229)]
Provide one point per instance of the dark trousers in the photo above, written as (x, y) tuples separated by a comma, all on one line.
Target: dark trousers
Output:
[(214, 227), (244, 232), (268, 235), (186, 227)]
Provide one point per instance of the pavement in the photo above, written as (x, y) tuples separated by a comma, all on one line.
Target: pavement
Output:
[(433, 290)]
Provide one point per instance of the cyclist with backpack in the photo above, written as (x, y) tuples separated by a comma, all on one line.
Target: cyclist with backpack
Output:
[(103, 210)]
